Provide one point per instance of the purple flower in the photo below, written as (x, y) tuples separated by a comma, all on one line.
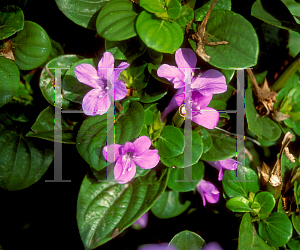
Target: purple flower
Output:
[(142, 222), (158, 246), (229, 164), (212, 246), (129, 155), (203, 87), (95, 102), (208, 192)]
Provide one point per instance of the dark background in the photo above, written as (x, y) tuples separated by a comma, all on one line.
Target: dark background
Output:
[(43, 216)]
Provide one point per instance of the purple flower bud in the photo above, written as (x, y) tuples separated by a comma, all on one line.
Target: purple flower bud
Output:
[(129, 155), (158, 246), (229, 164), (95, 102), (212, 246), (142, 222), (208, 192)]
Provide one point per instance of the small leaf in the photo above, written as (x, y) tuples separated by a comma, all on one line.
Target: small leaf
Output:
[(187, 240), (266, 201), (238, 204), (11, 21)]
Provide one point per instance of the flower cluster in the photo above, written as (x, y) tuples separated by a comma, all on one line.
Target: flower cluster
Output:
[(202, 87)]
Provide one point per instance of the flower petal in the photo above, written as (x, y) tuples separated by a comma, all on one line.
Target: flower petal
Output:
[(210, 82), (107, 61), (119, 91), (93, 105), (212, 246), (200, 190), (87, 74), (173, 74), (119, 69), (129, 173), (230, 164), (142, 221), (141, 144), (113, 147), (210, 192), (158, 246), (180, 99), (149, 159), (207, 119), (127, 147), (186, 58), (172, 105), (199, 100)]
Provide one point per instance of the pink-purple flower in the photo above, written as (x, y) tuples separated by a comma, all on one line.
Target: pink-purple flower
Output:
[(142, 222), (229, 164), (165, 246), (129, 155), (202, 87), (208, 192), (98, 100)]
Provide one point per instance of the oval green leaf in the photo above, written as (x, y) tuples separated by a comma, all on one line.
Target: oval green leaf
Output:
[(46, 81), (296, 222), (81, 12), (153, 6), (9, 80), (91, 137), (176, 177), (197, 149), (248, 237), (276, 230), (23, 161), (266, 201), (187, 240), (248, 182), (238, 204), (44, 127), (242, 48), (170, 142), (158, 34), (11, 21), (104, 209), (116, 20), (169, 205), (31, 46), (263, 127)]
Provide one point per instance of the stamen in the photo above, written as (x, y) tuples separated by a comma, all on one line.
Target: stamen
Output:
[(127, 158)]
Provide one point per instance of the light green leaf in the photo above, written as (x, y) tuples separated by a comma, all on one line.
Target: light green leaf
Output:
[(187, 240)]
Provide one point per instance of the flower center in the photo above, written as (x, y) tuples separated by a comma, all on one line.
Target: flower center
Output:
[(127, 158)]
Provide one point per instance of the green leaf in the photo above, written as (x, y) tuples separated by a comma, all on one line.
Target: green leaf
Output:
[(56, 50), (170, 142), (139, 73), (266, 201), (9, 80), (239, 204), (154, 6), (296, 222), (177, 174), (126, 50), (31, 46), (220, 5), (169, 205), (91, 137), (185, 16), (158, 34), (116, 20), (294, 244), (242, 48), (233, 187), (148, 117), (46, 83), (206, 138), (187, 240), (263, 127), (44, 127), (248, 237), (104, 209), (81, 12), (173, 8), (197, 149), (223, 147), (224, 96), (23, 161), (274, 13), (11, 21), (276, 230)]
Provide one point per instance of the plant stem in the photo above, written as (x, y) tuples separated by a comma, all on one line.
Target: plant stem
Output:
[(282, 80), (178, 119)]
